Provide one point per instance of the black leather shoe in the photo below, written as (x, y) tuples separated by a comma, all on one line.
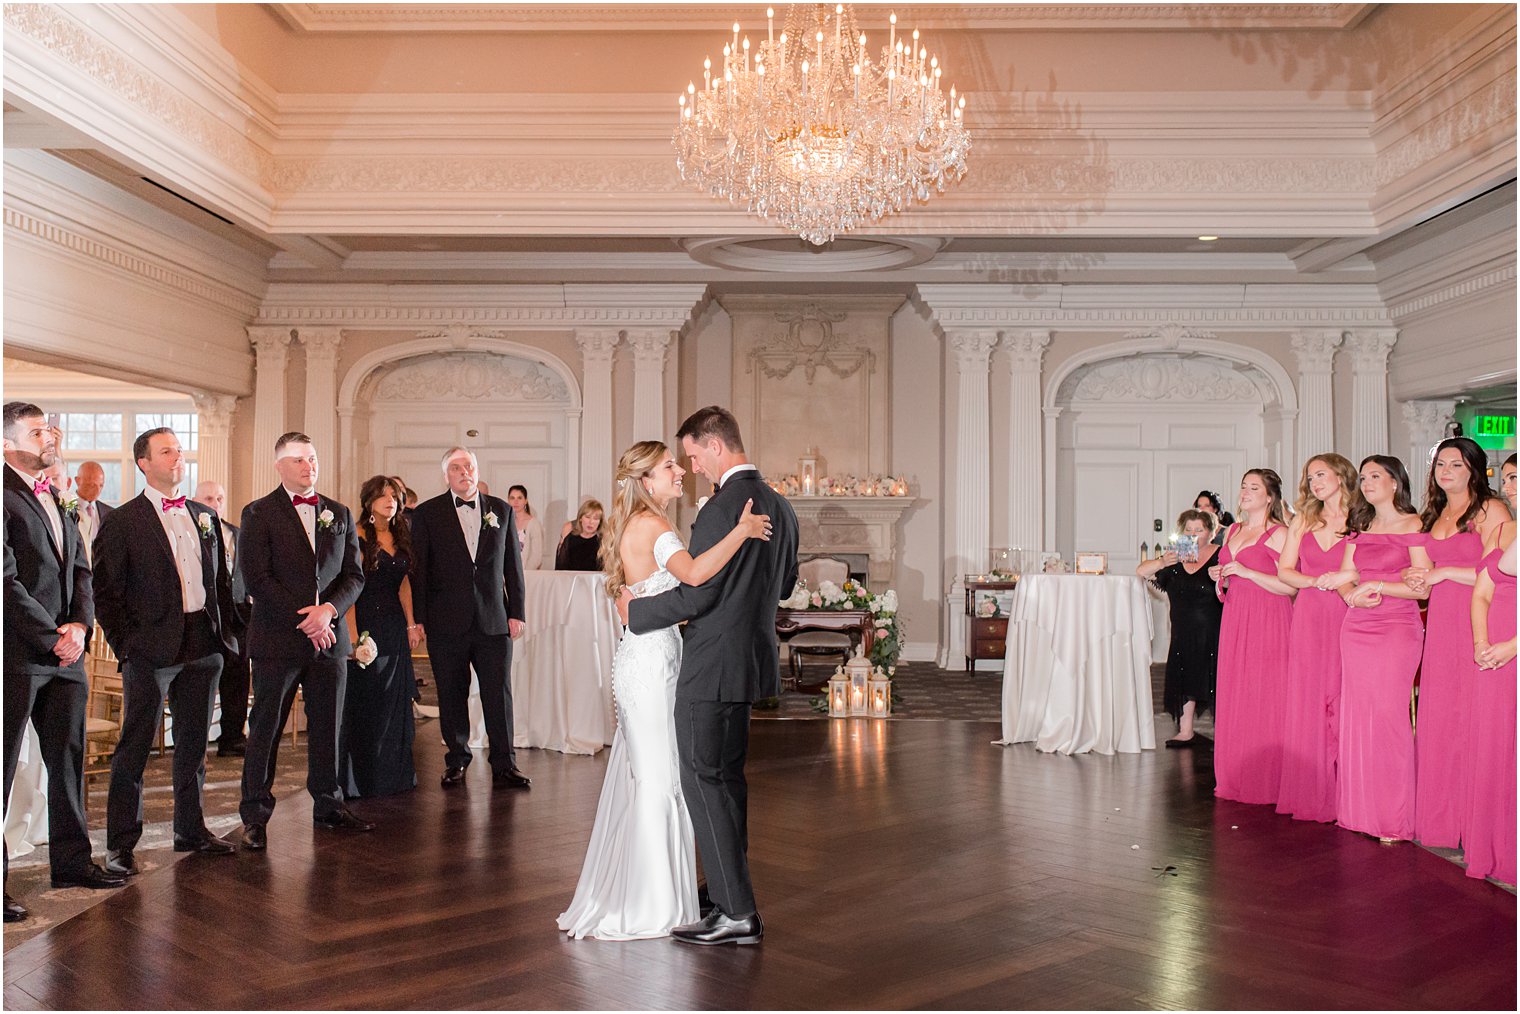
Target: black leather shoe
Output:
[(1179, 744), (14, 910), (453, 776), (90, 876), (208, 845), (236, 750), (512, 779), (718, 928), (121, 863), (254, 837), (343, 820)]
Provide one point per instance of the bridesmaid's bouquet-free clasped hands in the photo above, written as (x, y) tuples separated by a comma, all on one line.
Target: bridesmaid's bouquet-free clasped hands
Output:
[(365, 651)]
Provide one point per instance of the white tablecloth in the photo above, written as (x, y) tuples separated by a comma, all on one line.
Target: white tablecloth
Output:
[(1076, 674), (561, 666), (26, 818)]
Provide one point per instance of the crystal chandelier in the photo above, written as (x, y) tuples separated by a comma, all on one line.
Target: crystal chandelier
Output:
[(809, 130)]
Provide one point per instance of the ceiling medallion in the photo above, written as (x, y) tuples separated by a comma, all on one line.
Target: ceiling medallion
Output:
[(812, 132)]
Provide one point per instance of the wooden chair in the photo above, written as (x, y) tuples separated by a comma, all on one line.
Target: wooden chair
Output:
[(103, 712), (819, 643)]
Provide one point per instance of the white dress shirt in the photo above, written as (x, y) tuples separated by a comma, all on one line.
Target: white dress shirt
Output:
[(469, 520), (185, 541), (735, 471), (49, 507), (308, 515)]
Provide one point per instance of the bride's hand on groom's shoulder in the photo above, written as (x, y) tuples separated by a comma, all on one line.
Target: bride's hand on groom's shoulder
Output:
[(754, 526)]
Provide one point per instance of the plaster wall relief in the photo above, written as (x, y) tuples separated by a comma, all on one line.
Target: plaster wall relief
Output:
[(813, 371)]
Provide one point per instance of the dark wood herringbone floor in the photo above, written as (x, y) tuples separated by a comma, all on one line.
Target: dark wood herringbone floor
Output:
[(905, 864)]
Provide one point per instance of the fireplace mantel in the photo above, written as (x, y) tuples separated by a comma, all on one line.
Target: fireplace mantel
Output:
[(853, 524)]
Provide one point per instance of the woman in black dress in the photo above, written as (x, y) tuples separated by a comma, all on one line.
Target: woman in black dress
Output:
[(1195, 613), (580, 541), (376, 745)]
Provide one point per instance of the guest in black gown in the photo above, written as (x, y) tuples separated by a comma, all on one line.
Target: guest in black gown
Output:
[(376, 751), (1195, 612), (580, 541)]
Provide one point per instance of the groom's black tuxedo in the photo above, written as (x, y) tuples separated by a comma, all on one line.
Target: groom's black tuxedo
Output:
[(463, 605), (730, 660), (284, 574)]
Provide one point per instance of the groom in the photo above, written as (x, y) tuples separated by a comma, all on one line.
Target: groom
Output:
[(730, 661)]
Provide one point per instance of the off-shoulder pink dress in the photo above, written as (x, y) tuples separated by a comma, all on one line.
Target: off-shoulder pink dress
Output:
[(1380, 651), (1447, 671), (1311, 722), (1490, 821), (1252, 680)]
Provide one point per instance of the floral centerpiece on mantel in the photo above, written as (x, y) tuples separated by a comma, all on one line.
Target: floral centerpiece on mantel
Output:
[(886, 644), (843, 485)]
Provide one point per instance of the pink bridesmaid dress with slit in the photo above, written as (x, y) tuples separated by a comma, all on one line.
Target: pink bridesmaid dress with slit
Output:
[(1252, 679), (1380, 651), (1311, 721), (1490, 823), (1447, 672)]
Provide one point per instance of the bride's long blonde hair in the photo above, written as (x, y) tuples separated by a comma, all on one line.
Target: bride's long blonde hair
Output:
[(629, 497)]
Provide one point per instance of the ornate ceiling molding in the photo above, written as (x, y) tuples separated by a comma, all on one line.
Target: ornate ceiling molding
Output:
[(469, 376), (321, 18), (1162, 377)]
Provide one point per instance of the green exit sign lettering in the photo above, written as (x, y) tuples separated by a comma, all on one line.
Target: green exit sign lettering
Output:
[(1494, 425)]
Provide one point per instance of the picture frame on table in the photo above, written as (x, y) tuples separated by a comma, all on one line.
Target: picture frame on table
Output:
[(1092, 563)]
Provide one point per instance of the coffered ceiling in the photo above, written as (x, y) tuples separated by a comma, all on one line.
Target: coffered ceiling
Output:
[(530, 142)]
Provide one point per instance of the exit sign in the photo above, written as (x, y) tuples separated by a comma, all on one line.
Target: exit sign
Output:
[(1493, 425)]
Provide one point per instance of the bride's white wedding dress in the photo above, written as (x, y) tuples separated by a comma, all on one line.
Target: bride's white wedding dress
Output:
[(640, 879)]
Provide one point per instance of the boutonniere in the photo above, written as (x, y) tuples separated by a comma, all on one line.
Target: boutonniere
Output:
[(702, 502), (491, 521), (68, 501), (205, 521), (325, 519)]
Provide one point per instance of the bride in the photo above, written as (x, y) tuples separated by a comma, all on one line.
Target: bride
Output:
[(639, 879)]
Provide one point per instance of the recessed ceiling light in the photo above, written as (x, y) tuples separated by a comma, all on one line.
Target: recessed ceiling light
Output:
[(1208, 239)]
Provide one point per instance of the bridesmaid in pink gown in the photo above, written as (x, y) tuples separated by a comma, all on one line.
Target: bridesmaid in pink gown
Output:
[(1461, 512), (1380, 651), (1253, 646), (1490, 819), (1311, 722)]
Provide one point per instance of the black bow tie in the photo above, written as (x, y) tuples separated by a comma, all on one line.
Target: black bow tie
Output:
[(464, 503)]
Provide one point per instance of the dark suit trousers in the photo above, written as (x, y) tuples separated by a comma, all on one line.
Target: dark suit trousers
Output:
[(712, 741), (56, 706), (322, 682), (233, 692), (188, 685), (491, 655)]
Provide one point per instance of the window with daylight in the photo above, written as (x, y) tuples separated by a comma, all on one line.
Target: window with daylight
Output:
[(103, 432)]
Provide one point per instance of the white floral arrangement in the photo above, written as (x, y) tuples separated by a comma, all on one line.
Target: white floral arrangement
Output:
[(845, 485), (325, 519), (365, 651), (886, 645), (491, 520)]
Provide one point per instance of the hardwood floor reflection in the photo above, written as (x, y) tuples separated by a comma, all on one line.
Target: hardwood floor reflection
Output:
[(905, 864)]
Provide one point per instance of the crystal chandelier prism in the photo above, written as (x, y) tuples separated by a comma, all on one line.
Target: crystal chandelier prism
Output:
[(807, 129)]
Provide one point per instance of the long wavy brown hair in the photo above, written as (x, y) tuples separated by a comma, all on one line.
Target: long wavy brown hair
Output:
[(629, 498), (1478, 490), (1308, 506), (1273, 482), (373, 489)]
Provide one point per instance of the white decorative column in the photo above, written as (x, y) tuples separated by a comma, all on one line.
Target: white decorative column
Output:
[(1048, 532), (1426, 421), (320, 419), (1315, 349), (1369, 390), (1026, 351), (650, 346), (597, 348), (973, 477), (271, 348), (214, 439)]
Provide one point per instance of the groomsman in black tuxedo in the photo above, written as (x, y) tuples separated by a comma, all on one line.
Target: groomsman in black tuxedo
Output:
[(164, 598), (49, 611), (467, 591), (233, 686), (300, 559)]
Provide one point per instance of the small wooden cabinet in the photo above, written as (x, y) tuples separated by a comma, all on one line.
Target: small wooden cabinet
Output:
[(986, 635)]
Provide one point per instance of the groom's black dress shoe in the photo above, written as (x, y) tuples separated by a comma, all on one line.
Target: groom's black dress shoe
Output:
[(14, 910), (254, 837), (121, 863), (343, 820), (512, 779), (718, 928), (90, 876), (208, 844), (453, 776)]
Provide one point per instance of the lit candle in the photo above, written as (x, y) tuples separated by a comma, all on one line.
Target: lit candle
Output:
[(770, 25)]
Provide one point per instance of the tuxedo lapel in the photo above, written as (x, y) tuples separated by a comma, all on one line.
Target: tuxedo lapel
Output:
[(293, 521), (456, 530), (15, 482), (325, 536), (208, 551)]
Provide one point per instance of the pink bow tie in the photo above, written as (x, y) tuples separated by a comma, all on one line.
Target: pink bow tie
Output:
[(310, 501), (171, 503), (44, 486)]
